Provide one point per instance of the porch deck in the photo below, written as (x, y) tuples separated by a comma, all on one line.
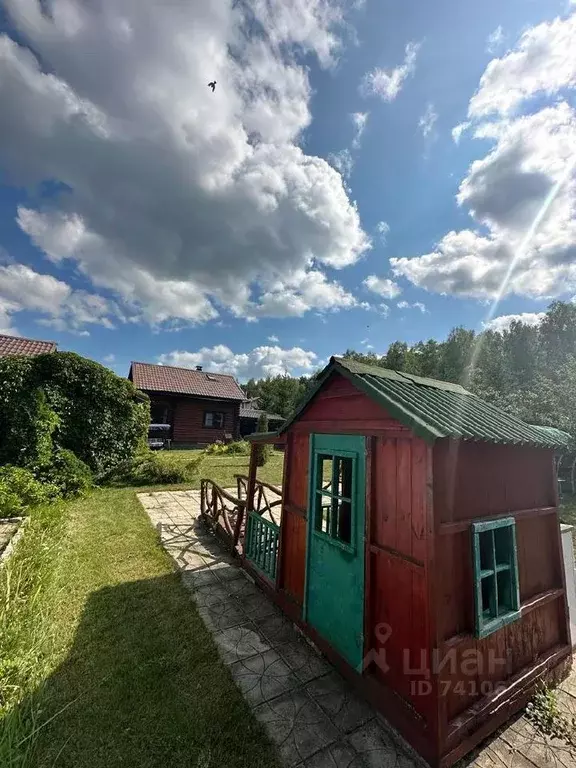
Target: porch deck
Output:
[(308, 710)]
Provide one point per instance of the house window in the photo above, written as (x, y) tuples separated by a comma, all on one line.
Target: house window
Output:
[(497, 597), (214, 419), (159, 412), (333, 490)]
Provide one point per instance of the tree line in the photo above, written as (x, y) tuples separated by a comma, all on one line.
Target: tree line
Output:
[(528, 370)]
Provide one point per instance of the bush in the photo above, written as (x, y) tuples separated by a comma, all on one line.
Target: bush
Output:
[(69, 475), (62, 400), (21, 483), (151, 468), (239, 448), (263, 450)]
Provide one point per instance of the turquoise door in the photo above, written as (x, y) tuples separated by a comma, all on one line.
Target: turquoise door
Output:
[(334, 603)]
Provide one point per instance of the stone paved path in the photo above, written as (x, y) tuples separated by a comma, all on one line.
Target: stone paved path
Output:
[(308, 710)]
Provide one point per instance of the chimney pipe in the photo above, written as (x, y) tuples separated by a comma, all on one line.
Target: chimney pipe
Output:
[(198, 367)]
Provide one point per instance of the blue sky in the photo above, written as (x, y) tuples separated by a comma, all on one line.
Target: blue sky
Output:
[(318, 200)]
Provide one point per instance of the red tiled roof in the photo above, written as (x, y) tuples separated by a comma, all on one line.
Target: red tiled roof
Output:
[(16, 345), (184, 381)]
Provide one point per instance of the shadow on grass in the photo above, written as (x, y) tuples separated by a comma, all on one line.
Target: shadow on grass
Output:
[(143, 686)]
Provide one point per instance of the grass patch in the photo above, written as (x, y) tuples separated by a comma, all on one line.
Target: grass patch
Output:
[(222, 469), (134, 679)]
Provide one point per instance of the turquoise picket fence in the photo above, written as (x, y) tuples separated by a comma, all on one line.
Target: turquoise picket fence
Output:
[(262, 544)]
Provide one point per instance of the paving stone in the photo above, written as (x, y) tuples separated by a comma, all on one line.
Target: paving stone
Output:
[(212, 595), (195, 578), (378, 749), (346, 710), (303, 660), (256, 606), (340, 754), (242, 588), (222, 615), (263, 677), (225, 571), (297, 725), (239, 643), (276, 628)]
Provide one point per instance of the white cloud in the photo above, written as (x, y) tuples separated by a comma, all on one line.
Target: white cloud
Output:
[(111, 358), (58, 305), (384, 309), (415, 305), (383, 286), (458, 130), (388, 83), (178, 199), (259, 362), (359, 119), (342, 161), (495, 39), (273, 339), (383, 228), (304, 291), (522, 193), (542, 62), (503, 322), (428, 120)]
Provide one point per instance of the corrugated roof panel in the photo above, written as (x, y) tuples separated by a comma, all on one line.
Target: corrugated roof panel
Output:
[(435, 409)]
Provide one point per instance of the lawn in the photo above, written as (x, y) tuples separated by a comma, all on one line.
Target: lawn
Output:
[(222, 469), (131, 677)]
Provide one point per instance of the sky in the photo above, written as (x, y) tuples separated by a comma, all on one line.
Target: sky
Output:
[(363, 172)]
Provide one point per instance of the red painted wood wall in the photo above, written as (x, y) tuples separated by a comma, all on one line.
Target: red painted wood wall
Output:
[(473, 481)]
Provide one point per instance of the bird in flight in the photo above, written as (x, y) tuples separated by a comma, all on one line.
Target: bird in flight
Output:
[(212, 85)]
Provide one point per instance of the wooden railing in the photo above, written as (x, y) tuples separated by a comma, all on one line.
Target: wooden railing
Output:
[(222, 511), (261, 544), (267, 498)]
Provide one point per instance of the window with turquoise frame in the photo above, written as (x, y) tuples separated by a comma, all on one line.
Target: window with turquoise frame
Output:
[(334, 481), (497, 598)]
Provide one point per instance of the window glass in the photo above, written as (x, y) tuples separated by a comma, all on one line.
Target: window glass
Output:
[(334, 491), (495, 575), (213, 419)]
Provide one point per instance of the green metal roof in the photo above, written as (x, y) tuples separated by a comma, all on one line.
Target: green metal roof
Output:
[(435, 409), (564, 438)]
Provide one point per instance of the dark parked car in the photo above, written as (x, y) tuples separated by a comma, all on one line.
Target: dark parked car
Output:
[(159, 436)]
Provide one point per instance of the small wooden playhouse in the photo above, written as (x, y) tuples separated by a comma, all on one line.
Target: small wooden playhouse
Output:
[(419, 548)]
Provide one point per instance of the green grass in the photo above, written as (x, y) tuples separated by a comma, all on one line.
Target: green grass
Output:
[(222, 469), (132, 677)]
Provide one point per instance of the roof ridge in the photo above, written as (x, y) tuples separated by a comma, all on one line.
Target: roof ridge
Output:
[(26, 338), (183, 368)]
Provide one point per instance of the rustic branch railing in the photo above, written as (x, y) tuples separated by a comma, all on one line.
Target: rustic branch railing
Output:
[(265, 502), (222, 511)]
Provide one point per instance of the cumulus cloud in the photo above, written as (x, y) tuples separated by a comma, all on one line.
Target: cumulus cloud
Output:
[(503, 322), (56, 303), (178, 199), (428, 121), (259, 362), (387, 83), (273, 339), (359, 120), (383, 286), (522, 194), (543, 62)]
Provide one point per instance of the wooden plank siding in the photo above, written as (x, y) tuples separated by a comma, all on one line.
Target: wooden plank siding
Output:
[(188, 421), (487, 481), (398, 599)]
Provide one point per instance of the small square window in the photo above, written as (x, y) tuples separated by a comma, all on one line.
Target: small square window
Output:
[(333, 497), (213, 419), (496, 591)]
